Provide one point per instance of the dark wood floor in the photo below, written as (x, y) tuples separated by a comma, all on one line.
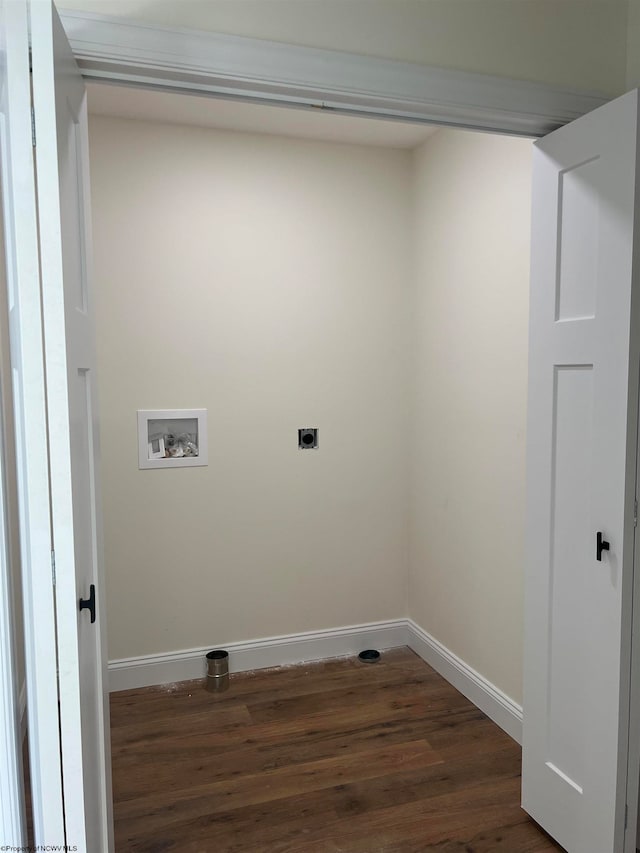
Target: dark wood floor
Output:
[(320, 758)]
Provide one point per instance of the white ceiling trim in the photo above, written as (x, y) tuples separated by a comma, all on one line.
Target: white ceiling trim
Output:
[(108, 48)]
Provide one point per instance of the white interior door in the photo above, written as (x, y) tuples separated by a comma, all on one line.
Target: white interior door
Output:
[(63, 207), (582, 444), (25, 319)]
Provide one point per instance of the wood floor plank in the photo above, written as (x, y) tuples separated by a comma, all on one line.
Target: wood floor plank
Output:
[(248, 828), (218, 754), (264, 824), (429, 821), (262, 787), (327, 757), (424, 784), (409, 697), (265, 751)]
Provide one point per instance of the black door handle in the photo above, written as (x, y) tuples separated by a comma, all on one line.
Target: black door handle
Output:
[(601, 546), (90, 603)]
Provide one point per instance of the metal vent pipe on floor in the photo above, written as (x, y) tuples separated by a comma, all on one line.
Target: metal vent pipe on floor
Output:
[(217, 671)]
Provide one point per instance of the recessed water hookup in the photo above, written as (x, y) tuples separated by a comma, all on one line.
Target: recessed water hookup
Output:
[(308, 438)]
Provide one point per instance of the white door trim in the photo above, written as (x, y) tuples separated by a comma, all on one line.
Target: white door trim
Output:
[(62, 193), (25, 321), (632, 838), (12, 826), (113, 49)]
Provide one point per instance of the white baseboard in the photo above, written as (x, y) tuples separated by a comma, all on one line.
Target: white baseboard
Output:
[(145, 671), (169, 668), (485, 695), (22, 710)]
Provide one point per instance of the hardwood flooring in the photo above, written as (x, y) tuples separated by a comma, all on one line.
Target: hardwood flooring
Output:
[(319, 758)]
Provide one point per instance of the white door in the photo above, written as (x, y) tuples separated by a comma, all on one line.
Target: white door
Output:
[(63, 208), (25, 318), (581, 479)]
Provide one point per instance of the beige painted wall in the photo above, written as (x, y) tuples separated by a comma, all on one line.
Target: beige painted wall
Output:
[(573, 43), (267, 280), (472, 197)]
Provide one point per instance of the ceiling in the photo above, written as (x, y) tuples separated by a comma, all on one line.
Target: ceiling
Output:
[(203, 111)]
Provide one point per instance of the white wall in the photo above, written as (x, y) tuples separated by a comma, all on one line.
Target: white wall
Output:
[(380, 295), (573, 43), (472, 197), (267, 280)]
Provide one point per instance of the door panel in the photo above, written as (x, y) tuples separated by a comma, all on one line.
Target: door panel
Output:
[(582, 436), (579, 216), (63, 203), (568, 671)]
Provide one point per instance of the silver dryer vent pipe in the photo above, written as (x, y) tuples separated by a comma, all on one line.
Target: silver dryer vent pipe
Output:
[(217, 670)]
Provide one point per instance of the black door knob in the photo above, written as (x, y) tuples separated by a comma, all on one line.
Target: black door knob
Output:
[(90, 603), (601, 545)]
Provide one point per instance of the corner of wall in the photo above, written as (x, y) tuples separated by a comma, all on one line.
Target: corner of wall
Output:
[(470, 322), (486, 696)]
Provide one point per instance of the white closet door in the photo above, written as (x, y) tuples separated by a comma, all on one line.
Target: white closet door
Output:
[(25, 319), (63, 208), (582, 440)]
